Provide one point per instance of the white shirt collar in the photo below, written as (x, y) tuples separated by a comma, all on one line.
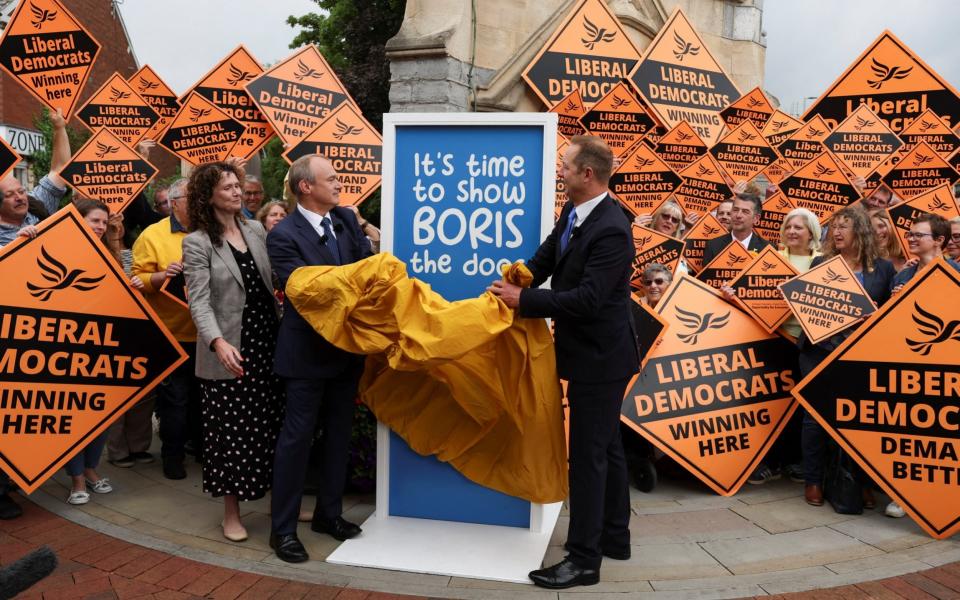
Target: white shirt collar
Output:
[(745, 241), (583, 211), (315, 219)]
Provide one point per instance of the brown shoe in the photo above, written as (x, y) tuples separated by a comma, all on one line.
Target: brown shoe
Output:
[(869, 502), (813, 494)]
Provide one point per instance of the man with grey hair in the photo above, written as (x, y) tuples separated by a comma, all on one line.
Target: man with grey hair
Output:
[(320, 379), (252, 197)]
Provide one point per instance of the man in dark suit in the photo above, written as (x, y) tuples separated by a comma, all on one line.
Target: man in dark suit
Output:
[(589, 255), (744, 215), (320, 379)]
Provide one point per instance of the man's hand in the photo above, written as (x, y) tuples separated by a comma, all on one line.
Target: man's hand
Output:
[(509, 293), (145, 146), (28, 231), (174, 269), (57, 119)]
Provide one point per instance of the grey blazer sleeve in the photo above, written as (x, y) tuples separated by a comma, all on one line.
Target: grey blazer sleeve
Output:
[(197, 253)]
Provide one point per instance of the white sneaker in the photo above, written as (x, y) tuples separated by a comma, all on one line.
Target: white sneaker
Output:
[(77, 498), (894, 510), (100, 486)]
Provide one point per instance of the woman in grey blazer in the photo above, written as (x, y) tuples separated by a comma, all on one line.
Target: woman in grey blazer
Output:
[(231, 300)]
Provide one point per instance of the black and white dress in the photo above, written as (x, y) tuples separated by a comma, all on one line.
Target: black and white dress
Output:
[(242, 416)]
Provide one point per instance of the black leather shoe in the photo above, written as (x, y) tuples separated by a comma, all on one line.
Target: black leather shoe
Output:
[(288, 548), (564, 574), (338, 529), (617, 554), (173, 468), (8, 508)]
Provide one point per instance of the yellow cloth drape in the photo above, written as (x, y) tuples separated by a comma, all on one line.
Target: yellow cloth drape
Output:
[(462, 380)]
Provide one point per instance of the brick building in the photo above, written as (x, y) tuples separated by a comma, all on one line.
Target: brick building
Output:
[(18, 108)]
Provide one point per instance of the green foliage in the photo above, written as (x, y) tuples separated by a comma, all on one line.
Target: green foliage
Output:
[(273, 168), (42, 158)]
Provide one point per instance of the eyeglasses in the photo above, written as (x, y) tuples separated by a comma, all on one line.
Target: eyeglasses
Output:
[(916, 235), (955, 237), (658, 281), (670, 218)]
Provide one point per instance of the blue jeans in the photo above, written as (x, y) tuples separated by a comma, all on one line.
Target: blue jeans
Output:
[(88, 458)]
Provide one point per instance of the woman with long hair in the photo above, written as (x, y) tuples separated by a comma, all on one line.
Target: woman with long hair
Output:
[(888, 245), (231, 301), (271, 213)]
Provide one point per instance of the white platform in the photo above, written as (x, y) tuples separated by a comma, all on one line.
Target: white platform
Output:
[(448, 548)]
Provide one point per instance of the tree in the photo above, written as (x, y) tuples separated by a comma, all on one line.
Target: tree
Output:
[(40, 164)]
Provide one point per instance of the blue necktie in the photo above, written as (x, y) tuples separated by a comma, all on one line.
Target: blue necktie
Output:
[(568, 231), (331, 242)]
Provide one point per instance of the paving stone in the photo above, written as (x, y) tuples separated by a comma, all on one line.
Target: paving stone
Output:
[(690, 526), (769, 492), (739, 580), (663, 561), (890, 535), (792, 514), (872, 562)]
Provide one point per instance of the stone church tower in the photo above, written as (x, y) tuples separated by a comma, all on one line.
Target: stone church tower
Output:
[(463, 55)]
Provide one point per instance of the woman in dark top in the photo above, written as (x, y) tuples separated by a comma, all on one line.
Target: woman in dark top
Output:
[(231, 301), (852, 237)]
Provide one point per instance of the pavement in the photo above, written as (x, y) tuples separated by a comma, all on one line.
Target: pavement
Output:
[(156, 538)]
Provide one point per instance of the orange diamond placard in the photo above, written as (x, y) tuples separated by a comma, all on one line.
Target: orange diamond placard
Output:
[(827, 299), (703, 187), (590, 52), (706, 229), (820, 186), (744, 152), (569, 110), (779, 127), (715, 392), (920, 170), (560, 189), (8, 158), (620, 118), (49, 52), (682, 81), (680, 146), (119, 108), (224, 85), (889, 396), (158, 95), (201, 132), (79, 348), (804, 144), (862, 141), (938, 201), (932, 130), (777, 171), (757, 288), (354, 147), (108, 170), (753, 106), (297, 93), (653, 247), (643, 181), (775, 208), (726, 266), (893, 82)]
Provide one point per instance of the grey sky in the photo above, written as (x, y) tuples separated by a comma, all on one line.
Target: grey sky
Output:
[(810, 43), (183, 39)]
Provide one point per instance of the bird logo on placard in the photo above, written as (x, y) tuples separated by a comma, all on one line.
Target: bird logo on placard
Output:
[(699, 324), (766, 266), (702, 171), (861, 123), (60, 278), (641, 163), (938, 204), (921, 159), (710, 230), (778, 125), (198, 113), (753, 103), (931, 325), (238, 76), (145, 86), (782, 203), (303, 72), (833, 277), (926, 126), (595, 35), (41, 16), (619, 102), (821, 171), (813, 132), (734, 260), (745, 136), (683, 47), (682, 136), (642, 242), (571, 106), (116, 94), (883, 73), (104, 149), (344, 130)]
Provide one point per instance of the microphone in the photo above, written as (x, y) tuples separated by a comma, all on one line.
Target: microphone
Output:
[(337, 227), (323, 239), (28, 570)]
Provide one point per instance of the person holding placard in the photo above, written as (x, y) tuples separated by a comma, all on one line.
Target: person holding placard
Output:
[(588, 257), (744, 215)]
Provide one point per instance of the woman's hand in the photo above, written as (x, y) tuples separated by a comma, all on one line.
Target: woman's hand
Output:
[(229, 356), (643, 220), (174, 269), (729, 294)]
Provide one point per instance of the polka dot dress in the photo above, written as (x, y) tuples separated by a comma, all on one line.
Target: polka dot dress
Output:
[(242, 416)]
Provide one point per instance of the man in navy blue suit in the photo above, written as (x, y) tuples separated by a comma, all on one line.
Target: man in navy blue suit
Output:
[(589, 255), (321, 380)]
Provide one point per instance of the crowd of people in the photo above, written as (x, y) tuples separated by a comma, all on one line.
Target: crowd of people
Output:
[(259, 382)]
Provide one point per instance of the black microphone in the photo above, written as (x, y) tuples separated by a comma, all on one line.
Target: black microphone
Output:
[(28, 570), (337, 227)]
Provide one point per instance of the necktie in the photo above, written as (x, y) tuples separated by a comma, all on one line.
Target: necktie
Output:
[(331, 241), (565, 236)]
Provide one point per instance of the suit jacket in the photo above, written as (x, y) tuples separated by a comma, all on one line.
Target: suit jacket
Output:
[(216, 293), (293, 243), (717, 244), (589, 295)]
